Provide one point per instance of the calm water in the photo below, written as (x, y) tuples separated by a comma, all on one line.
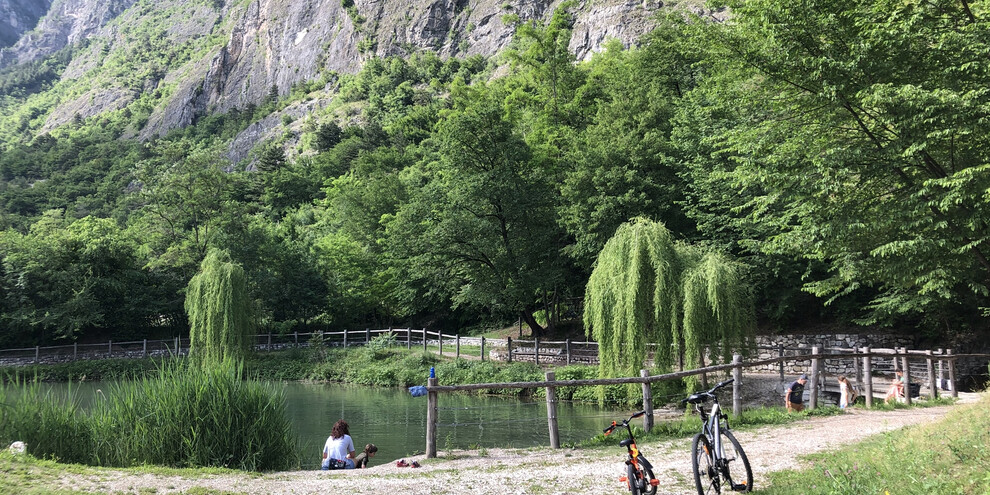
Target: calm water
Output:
[(396, 422)]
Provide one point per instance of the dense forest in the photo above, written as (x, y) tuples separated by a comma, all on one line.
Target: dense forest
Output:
[(839, 150)]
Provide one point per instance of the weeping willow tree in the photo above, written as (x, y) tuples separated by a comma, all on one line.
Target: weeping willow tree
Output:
[(219, 310), (647, 288)]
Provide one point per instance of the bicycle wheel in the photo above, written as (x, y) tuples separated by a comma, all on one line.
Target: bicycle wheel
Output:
[(647, 488), (632, 479), (736, 465), (705, 477)]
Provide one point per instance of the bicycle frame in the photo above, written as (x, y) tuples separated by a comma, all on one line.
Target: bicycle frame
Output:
[(639, 463), (712, 429)]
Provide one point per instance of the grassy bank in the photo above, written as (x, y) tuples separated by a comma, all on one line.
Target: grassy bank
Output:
[(949, 456)]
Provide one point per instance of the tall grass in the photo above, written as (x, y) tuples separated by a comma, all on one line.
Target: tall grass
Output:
[(183, 417), (46, 421)]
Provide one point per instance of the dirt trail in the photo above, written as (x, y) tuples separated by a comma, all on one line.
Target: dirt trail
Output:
[(542, 470)]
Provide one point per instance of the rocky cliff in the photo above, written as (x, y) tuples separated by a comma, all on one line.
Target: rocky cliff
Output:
[(19, 16), (194, 56)]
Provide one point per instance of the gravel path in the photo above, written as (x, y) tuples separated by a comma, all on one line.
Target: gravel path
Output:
[(542, 470)]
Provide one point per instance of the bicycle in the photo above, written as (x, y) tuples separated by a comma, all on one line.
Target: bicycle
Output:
[(639, 472), (711, 462)]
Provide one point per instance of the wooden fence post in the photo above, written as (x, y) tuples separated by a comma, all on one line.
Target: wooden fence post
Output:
[(567, 350), (37, 354), (75, 350), (647, 402), (536, 349), (952, 373), (858, 370), (813, 398), (144, 350), (482, 348), (424, 340), (941, 369), (269, 341), (345, 338), (552, 412), (737, 386), (907, 376), (409, 338), (367, 336), (109, 348), (440, 341), (431, 419), (867, 378), (780, 351), (457, 338), (295, 338), (932, 386), (508, 347)]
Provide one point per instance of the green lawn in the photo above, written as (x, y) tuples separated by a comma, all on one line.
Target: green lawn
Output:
[(950, 456)]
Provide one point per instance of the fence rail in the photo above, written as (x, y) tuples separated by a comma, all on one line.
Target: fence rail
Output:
[(818, 377)]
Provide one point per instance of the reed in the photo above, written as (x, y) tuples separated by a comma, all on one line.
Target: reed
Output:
[(50, 424), (182, 417)]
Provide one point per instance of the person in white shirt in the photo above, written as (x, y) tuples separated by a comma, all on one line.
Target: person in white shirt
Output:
[(338, 451)]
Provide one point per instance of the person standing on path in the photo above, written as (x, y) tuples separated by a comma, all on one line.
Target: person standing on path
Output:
[(794, 399)]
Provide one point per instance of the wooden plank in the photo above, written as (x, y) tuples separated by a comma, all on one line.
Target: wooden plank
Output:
[(736, 386), (868, 377), (813, 398), (907, 376), (431, 419), (552, 411), (647, 402)]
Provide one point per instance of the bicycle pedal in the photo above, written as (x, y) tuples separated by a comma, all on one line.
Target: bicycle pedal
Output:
[(623, 478), (739, 487), (654, 482)]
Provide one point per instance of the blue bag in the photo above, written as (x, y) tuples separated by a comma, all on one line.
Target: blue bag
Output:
[(417, 391)]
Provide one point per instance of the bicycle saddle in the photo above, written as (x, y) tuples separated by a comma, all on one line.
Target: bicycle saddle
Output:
[(697, 398)]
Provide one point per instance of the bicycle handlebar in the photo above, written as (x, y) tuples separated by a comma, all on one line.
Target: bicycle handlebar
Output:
[(624, 422), (710, 393)]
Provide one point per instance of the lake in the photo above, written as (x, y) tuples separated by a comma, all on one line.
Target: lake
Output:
[(396, 422)]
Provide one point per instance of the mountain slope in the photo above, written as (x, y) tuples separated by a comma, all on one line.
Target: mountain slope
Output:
[(171, 61)]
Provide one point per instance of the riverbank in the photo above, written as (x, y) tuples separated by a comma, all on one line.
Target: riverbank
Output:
[(771, 449)]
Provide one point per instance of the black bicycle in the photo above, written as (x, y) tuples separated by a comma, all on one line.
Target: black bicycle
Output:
[(639, 472), (718, 460)]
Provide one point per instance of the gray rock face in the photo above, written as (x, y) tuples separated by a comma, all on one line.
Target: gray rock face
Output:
[(66, 22), (19, 16), (253, 46)]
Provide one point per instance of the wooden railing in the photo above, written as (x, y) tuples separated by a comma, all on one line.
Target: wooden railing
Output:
[(816, 379)]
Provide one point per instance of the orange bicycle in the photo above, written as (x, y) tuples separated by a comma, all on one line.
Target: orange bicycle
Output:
[(639, 472)]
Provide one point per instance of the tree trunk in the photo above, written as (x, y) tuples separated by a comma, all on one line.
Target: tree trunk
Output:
[(535, 328)]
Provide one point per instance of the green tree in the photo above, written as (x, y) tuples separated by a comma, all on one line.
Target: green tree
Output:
[(480, 223), (860, 129), (648, 289), (185, 197), (220, 312), (65, 279)]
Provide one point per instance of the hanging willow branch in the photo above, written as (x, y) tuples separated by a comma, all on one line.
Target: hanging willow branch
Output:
[(645, 288), (219, 310)]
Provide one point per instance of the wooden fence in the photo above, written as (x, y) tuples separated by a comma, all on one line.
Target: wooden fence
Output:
[(865, 356), (543, 352)]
